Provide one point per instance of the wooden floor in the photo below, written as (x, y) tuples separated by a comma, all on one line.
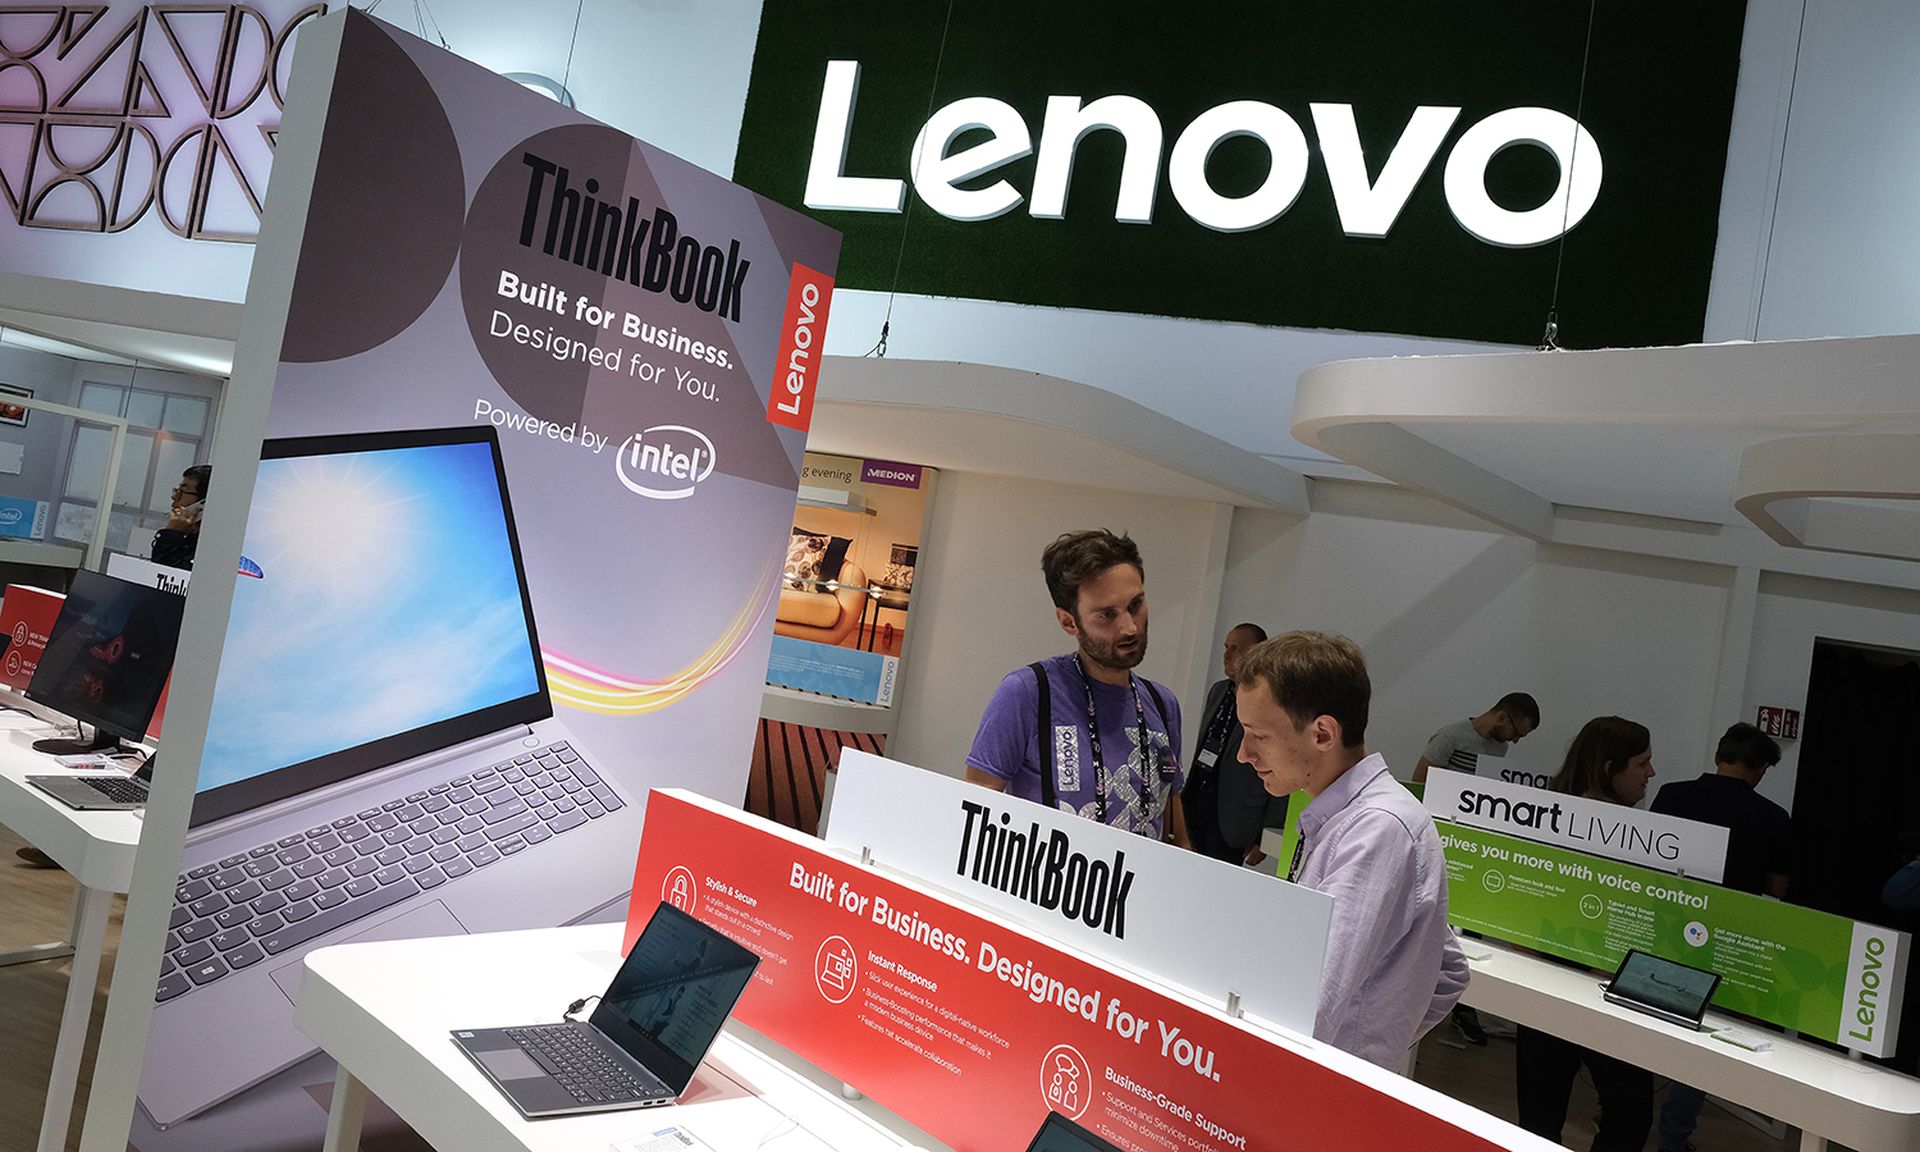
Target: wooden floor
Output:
[(789, 772), (34, 906), (35, 903), (1483, 1077)]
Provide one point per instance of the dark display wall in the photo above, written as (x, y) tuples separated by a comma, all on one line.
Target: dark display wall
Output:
[(1658, 102)]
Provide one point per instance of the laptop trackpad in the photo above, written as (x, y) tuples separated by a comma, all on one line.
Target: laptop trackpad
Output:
[(511, 1064), (428, 920)]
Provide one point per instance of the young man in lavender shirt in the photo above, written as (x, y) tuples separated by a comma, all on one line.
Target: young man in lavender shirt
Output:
[(1111, 749), (1393, 967)]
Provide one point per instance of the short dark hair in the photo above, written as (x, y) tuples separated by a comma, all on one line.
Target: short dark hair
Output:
[(1259, 633), (1598, 754), (1520, 706), (1078, 558), (1313, 674), (202, 476), (1747, 746)]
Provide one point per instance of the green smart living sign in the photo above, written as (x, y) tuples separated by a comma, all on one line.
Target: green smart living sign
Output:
[(1820, 974), (1408, 168)]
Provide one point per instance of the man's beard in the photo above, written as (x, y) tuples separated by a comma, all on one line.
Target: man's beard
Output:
[(1107, 656)]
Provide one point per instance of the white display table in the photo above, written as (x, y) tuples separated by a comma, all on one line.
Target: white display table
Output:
[(1821, 1092), (97, 849), (383, 1011)]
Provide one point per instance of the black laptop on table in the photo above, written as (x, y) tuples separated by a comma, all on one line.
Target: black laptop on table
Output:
[(1059, 1134), (648, 1033)]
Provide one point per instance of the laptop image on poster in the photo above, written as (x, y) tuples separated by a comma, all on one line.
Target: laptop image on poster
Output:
[(649, 1031), (382, 758)]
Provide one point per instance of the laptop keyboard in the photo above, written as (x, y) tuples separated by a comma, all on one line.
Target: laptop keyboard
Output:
[(118, 790), (236, 912), (581, 1066)]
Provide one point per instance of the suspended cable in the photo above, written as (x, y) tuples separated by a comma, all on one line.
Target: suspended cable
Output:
[(906, 220), (1550, 339), (567, 74)]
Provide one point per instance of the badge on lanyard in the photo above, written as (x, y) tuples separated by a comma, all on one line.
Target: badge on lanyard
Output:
[(1207, 758)]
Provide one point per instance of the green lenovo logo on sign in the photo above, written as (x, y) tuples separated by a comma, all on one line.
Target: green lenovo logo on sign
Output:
[(1311, 164), (1819, 974)]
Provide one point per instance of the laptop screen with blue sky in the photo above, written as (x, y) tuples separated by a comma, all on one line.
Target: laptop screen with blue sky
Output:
[(380, 594)]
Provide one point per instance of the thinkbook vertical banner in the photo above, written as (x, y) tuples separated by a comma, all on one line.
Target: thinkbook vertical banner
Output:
[(513, 542)]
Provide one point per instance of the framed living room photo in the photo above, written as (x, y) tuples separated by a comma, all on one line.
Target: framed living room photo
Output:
[(14, 415)]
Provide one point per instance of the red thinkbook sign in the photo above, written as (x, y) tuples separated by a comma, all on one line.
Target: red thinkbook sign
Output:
[(796, 369), (972, 1030), (26, 617)]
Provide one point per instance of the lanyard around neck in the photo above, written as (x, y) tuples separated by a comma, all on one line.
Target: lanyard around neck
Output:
[(1093, 743), (1220, 722)]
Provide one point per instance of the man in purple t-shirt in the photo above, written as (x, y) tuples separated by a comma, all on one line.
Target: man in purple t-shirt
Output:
[(1112, 746)]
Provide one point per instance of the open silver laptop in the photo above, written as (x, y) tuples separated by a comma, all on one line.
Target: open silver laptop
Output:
[(382, 758), (99, 792), (649, 1031)]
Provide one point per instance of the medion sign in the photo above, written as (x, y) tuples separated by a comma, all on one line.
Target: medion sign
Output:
[(1314, 164), (1367, 206)]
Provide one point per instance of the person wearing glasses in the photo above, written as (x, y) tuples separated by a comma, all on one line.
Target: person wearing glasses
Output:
[(174, 544)]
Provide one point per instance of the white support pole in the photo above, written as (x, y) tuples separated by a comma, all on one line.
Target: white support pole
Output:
[(97, 547), (89, 936), (347, 1111)]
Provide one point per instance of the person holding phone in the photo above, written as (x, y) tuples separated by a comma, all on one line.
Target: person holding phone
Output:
[(174, 544)]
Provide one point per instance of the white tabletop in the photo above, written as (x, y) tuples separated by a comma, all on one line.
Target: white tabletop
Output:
[(384, 1011), (1861, 1105), (96, 847)]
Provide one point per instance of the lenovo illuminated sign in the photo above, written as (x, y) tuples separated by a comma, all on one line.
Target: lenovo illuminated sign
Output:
[(1413, 168), (1367, 206)]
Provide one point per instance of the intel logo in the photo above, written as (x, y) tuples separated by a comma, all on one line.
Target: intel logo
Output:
[(664, 462), (10, 516)]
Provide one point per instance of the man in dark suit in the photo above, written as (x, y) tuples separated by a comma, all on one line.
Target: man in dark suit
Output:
[(1226, 806)]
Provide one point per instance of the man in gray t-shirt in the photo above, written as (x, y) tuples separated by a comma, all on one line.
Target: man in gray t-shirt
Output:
[(1460, 745)]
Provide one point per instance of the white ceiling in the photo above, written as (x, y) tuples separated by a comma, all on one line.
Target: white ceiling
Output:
[(978, 418), (1650, 431), (97, 340)]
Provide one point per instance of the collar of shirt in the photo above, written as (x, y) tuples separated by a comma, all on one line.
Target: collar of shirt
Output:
[(1339, 794)]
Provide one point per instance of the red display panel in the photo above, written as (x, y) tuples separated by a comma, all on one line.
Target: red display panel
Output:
[(971, 1029)]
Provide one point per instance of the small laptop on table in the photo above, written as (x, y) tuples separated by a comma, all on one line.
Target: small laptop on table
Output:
[(1662, 988), (107, 792), (648, 1033)]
